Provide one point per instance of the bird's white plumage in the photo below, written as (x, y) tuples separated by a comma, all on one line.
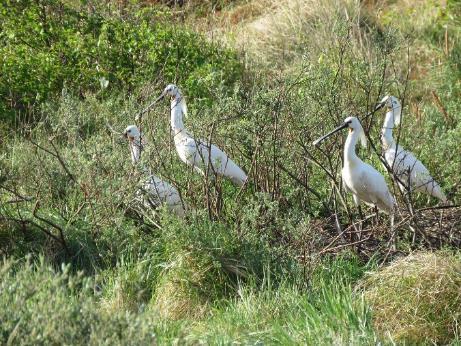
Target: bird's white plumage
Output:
[(197, 153), (404, 164), (154, 191), (364, 182)]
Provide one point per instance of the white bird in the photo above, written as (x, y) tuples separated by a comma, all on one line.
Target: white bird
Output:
[(409, 170), (362, 180), (197, 153), (155, 190)]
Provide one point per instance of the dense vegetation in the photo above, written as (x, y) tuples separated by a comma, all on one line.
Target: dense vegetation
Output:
[(48, 46), (83, 262)]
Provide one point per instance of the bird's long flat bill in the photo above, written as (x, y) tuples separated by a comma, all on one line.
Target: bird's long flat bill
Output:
[(321, 139), (157, 100), (377, 108), (140, 114), (162, 95)]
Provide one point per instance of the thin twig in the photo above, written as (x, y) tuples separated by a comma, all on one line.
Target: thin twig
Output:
[(52, 224)]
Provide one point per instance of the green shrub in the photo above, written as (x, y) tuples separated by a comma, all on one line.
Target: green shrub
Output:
[(49, 45), (41, 305)]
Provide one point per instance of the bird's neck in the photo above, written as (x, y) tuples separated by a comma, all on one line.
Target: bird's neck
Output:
[(388, 126), (135, 149), (177, 114), (350, 157)]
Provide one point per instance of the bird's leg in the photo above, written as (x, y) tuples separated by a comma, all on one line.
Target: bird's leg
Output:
[(219, 200), (360, 212), (376, 214), (391, 245), (393, 241), (359, 236), (206, 191), (359, 230), (406, 192)]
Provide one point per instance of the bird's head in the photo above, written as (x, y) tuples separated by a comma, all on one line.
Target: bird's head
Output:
[(136, 143), (390, 102), (354, 126), (172, 91), (132, 133), (352, 123)]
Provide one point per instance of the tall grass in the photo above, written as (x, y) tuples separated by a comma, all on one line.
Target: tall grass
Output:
[(416, 299), (46, 304)]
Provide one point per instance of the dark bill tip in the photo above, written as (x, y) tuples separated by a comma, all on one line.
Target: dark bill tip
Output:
[(379, 106)]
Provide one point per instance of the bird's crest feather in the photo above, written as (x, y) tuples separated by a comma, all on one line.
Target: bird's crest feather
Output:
[(396, 118), (183, 106), (363, 139)]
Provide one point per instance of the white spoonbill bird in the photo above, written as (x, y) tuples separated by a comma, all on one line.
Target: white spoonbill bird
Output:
[(197, 153), (362, 180), (409, 170), (156, 191)]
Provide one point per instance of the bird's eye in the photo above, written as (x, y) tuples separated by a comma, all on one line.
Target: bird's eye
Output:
[(129, 131)]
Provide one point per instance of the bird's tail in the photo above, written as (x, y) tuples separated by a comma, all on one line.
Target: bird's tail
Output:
[(437, 192), (240, 181), (235, 173), (432, 188)]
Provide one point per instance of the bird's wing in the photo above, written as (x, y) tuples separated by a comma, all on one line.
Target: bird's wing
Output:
[(412, 172), (373, 188), (161, 191), (199, 153), (207, 153), (221, 163), (419, 173), (421, 180), (191, 151), (406, 162)]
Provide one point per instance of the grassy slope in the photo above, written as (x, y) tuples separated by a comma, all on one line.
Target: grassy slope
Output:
[(246, 277)]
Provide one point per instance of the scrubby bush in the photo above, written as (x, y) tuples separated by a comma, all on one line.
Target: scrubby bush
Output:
[(50, 45), (40, 304)]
